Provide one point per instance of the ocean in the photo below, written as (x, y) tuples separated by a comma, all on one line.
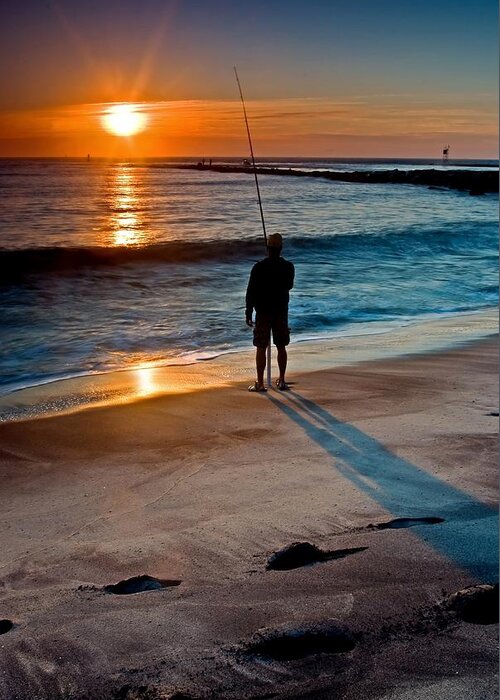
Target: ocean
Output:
[(111, 265)]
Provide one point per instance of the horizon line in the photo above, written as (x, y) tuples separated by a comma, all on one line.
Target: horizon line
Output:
[(245, 157)]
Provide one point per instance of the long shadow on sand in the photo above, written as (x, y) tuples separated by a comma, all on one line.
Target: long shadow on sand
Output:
[(469, 535)]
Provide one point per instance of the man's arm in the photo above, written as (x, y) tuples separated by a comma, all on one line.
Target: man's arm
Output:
[(250, 298), (291, 275)]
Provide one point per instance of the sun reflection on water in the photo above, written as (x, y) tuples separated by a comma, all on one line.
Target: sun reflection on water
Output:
[(126, 205)]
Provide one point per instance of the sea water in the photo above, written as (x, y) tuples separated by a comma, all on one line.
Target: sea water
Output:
[(108, 265)]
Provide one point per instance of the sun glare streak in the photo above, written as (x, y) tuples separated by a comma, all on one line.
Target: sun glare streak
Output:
[(124, 120), (146, 384), (125, 234), (126, 206)]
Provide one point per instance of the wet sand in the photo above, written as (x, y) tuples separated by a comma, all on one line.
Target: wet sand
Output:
[(387, 468)]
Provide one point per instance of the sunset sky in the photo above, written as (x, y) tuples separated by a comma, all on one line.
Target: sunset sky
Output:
[(366, 78)]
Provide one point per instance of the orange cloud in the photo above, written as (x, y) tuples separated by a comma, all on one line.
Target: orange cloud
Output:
[(297, 126)]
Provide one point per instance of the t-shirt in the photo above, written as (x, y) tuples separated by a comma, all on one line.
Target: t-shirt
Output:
[(268, 287)]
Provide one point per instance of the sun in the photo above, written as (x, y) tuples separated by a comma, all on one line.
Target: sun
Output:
[(124, 120)]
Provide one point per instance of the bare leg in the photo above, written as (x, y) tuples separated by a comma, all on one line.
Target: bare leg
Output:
[(282, 360), (260, 360)]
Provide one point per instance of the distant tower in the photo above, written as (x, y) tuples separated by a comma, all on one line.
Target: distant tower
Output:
[(446, 151)]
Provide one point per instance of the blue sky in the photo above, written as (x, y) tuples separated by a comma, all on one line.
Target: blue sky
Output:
[(284, 48)]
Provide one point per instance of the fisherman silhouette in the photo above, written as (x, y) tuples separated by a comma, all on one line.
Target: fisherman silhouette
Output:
[(268, 293)]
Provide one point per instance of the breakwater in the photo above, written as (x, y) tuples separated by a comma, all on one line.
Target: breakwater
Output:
[(476, 182)]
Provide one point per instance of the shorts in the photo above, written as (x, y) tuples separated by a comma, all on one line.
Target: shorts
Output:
[(264, 324)]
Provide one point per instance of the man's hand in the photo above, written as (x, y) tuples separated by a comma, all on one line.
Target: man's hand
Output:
[(249, 322)]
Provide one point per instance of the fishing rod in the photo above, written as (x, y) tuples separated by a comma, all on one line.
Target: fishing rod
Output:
[(268, 363), (253, 159)]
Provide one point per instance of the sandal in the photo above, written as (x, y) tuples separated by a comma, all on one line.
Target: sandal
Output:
[(257, 388), (282, 385)]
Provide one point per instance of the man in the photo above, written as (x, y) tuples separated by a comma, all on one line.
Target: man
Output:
[(270, 281)]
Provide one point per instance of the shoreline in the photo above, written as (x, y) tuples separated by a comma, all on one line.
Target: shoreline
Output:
[(201, 489), (80, 392)]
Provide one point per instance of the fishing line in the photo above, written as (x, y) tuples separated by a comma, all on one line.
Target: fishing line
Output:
[(253, 159)]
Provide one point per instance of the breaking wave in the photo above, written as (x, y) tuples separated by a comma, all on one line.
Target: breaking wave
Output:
[(17, 264)]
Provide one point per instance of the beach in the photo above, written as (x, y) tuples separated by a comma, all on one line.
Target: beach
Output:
[(386, 465), (168, 535)]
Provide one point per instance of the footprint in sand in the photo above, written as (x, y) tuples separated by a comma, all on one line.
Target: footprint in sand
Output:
[(6, 626), (399, 523), (139, 584), (287, 643), (301, 554)]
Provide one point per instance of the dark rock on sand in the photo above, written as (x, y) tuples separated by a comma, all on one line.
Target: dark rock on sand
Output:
[(139, 584), (294, 556), (476, 604), (399, 523), (6, 626), (288, 643), (304, 554)]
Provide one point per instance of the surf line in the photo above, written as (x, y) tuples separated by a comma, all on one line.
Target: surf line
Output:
[(269, 383)]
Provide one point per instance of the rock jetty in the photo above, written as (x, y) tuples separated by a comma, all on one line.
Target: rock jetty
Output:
[(476, 182)]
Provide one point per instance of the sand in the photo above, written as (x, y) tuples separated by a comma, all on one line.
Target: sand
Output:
[(201, 486)]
